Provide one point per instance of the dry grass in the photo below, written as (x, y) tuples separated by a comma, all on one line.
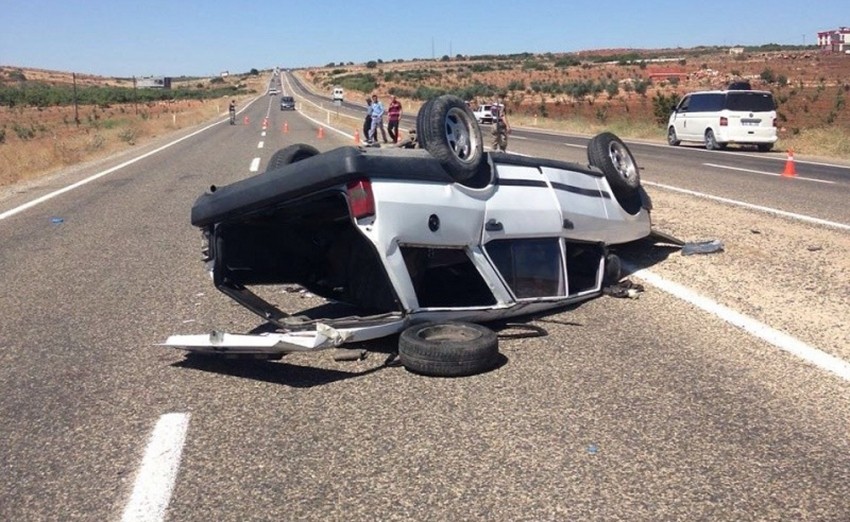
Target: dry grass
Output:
[(36, 141)]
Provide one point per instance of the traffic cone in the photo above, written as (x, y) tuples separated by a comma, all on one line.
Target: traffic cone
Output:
[(789, 171), (357, 137), (245, 121), (321, 132), (265, 123), (285, 127)]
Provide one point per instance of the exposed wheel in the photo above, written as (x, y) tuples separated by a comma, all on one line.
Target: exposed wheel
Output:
[(608, 153), (672, 139), (765, 147), (450, 349), (291, 154), (452, 136)]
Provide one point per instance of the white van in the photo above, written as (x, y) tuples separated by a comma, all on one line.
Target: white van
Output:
[(337, 94), (718, 118)]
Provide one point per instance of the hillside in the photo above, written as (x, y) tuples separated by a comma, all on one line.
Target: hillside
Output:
[(632, 87)]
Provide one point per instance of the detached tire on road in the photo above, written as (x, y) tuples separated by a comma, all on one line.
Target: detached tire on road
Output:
[(291, 154), (609, 154), (447, 129), (450, 349)]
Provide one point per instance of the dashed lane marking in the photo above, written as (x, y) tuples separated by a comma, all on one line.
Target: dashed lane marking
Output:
[(158, 472)]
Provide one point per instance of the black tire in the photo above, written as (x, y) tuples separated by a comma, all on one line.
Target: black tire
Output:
[(421, 126), (609, 154), (672, 139), (452, 136), (291, 154), (613, 270), (450, 349)]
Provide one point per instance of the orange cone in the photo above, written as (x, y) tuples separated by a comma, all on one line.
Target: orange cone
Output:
[(321, 132), (265, 123), (245, 121), (285, 127), (789, 171), (357, 137)]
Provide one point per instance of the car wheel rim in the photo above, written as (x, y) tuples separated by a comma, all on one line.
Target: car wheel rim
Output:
[(458, 135), (448, 333), (671, 136), (622, 160)]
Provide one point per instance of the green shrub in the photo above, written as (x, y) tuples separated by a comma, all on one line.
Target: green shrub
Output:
[(663, 105)]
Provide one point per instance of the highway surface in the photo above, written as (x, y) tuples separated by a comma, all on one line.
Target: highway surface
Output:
[(721, 393)]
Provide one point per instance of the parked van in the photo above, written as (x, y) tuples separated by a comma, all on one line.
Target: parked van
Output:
[(337, 94), (718, 118)]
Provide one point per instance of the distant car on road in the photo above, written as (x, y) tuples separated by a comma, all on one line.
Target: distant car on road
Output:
[(274, 92), (486, 113), (287, 103)]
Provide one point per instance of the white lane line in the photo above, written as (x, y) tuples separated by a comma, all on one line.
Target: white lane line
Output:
[(255, 165), (801, 178), (260, 145), (799, 217), (785, 342), (263, 134), (158, 473), (575, 146)]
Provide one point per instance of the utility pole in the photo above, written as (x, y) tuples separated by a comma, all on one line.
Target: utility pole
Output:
[(76, 111)]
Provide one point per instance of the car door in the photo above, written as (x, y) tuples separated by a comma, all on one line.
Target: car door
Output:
[(522, 233), (679, 119)]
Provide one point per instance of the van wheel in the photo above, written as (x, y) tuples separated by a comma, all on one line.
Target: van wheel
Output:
[(711, 141), (672, 139), (452, 136), (609, 154), (291, 154), (450, 349)]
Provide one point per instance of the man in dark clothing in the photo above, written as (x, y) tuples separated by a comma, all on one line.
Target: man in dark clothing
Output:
[(367, 123), (393, 118)]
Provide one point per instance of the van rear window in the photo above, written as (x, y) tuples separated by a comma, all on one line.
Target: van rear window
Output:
[(750, 101)]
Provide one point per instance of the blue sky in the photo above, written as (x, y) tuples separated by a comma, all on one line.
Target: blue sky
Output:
[(189, 37)]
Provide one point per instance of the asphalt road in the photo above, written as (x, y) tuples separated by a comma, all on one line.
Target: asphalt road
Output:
[(654, 408)]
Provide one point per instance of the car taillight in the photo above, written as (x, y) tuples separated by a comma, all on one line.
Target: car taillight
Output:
[(724, 121), (360, 198)]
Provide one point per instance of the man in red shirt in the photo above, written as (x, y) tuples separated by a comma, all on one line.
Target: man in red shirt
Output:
[(393, 116)]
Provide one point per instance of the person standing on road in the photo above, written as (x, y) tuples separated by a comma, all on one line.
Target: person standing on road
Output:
[(393, 118), (232, 110), (367, 123), (501, 128), (377, 120)]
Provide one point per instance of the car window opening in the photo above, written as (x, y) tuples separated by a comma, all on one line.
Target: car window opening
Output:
[(445, 277)]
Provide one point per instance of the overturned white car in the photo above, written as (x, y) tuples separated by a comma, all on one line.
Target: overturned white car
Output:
[(429, 241)]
